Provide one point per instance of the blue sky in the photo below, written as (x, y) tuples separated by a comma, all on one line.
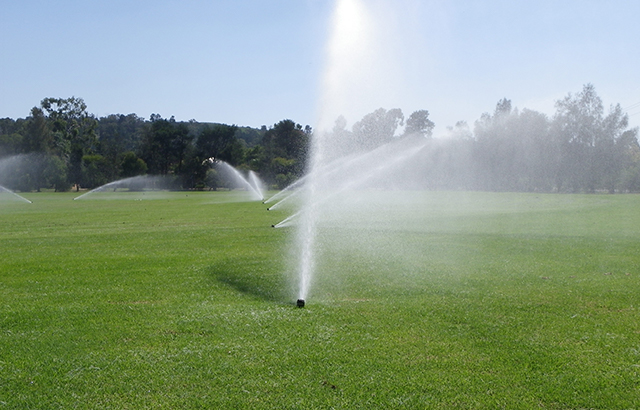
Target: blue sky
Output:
[(251, 62)]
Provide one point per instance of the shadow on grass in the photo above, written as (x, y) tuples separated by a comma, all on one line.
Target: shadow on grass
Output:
[(255, 279)]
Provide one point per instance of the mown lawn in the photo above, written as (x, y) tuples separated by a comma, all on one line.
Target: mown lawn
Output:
[(448, 300)]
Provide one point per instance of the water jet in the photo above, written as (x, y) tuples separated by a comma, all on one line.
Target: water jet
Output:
[(138, 183), (343, 165), (13, 194), (233, 176)]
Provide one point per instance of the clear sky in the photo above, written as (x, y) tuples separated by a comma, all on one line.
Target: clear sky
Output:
[(256, 62)]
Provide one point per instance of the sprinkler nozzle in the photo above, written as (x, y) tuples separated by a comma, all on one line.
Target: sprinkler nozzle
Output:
[(268, 209), (273, 226), (300, 303)]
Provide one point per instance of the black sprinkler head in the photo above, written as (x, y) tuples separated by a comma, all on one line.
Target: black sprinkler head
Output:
[(273, 226), (300, 303)]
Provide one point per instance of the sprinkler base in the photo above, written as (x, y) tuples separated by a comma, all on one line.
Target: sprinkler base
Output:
[(300, 303)]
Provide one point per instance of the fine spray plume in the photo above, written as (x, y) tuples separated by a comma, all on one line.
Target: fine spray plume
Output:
[(359, 77), (14, 195), (10, 170), (251, 182)]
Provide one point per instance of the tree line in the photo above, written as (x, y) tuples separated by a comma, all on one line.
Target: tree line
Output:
[(578, 149), (581, 148), (65, 147)]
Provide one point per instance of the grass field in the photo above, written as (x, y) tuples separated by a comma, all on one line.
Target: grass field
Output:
[(449, 300)]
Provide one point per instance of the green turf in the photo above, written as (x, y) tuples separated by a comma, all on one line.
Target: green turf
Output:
[(449, 300)]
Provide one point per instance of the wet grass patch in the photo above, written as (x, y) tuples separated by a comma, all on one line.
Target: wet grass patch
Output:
[(452, 300)]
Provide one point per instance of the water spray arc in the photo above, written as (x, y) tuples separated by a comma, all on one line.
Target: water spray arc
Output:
[(257, 184), (253, 184), (294, 189), (365, 175), (289, 190), (13, 194), (8, 167), (137, 183)]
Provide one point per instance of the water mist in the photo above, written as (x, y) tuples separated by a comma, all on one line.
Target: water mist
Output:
[(358, 78)]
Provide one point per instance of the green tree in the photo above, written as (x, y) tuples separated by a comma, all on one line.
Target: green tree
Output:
[(164, 144), (419, 124), (180, 145), (628, 149), (289, 142), (95, 171), (218, 142), (55, 171), (495, 148), (38, 136), (118, 134), (587, 140), (11, 137), (74, 132), (536, 152), (513, 150), (377, 128), (131, 165)]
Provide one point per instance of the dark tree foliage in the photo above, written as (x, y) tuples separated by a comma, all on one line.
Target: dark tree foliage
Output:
[(12, 137), (131, 165), (74, 132), (284, 155), (164, 144), (118, 135), (95, 171), (38, 136), (581, 148), (219, 142)]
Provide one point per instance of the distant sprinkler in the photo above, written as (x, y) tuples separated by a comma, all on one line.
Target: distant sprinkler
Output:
[(300, 303)]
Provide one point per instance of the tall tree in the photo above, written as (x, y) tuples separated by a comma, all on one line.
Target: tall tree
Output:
[(629, 150), (38, 136), (513, 150), (118, 134), (11, 137), (131, 165), (218, 142), (495, 148), (74, 132), (586, 139), (419, 124), (163, 145), (377, 128), (285, 152)]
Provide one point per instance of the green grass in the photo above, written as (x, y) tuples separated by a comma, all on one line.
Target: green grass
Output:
[(450, 300)]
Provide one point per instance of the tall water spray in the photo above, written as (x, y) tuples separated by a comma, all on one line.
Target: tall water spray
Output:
[(356, 74)]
